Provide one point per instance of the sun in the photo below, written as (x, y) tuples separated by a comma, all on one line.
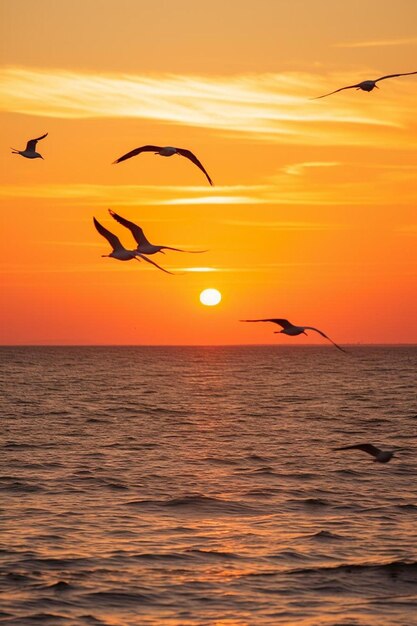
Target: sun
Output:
[(210, 297)]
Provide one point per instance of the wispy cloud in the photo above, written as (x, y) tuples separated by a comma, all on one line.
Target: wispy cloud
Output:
[(214, 200), (376, 43), (136, 195), (199, 269), (284, 188), (269, 106), (298, 168), (285, 225)]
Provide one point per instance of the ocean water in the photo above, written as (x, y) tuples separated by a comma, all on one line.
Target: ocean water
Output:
[(198, 485)]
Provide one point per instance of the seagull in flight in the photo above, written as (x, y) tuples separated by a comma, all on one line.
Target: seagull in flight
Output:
[(380, 456), (165, 151), (293, 331), (29, 152), (365, 85), (144, 246), (119, 252)]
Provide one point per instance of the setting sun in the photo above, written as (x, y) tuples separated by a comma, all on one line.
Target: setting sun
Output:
[(210, 297)]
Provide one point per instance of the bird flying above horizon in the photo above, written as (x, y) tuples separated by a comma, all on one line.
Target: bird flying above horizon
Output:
[(165, 151), (292, 330), (380, 456), (29, 152), (119, 252), (365, 85), (144, 246)]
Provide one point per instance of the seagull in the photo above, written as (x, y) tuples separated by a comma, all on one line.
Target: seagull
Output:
[(365, 85), (380, 456), (119, 252), (292, 331), (144, 246), (29, 152), (165, 151)]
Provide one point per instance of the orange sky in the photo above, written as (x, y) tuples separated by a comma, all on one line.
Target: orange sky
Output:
[(313, 212)]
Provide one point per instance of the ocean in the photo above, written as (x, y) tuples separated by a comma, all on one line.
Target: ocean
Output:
[(187, 486)]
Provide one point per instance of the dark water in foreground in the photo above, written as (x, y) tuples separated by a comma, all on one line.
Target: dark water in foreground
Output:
[(185, 486)]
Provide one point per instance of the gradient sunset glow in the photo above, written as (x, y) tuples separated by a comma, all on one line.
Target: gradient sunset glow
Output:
[(312, 216)]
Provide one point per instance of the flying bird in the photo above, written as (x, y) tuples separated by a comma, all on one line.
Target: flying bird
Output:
[(29, 152), (144, 246), (293, 331), (165, 151), (119, 252), (365, 85), (380, 456)]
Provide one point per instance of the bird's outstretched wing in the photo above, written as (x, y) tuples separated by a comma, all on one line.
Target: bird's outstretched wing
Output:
[(112, 239), (189, 155), (180, 250), (282, 323), (31, 144), (325, 336), (142, 256), (332, 92), (394, 76), (136, 230), (366, 447), (137, 151)]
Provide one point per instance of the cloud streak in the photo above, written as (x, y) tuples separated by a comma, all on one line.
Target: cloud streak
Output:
[(289, 187), (298, 168), (269, 106), (285, 225), (377, 43)]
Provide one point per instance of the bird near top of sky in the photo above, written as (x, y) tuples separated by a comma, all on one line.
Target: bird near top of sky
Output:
[(312, 215)]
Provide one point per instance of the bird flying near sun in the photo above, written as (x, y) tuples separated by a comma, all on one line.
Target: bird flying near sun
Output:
[(29, 152), (165, 151), (119, 252), (365, 85), (144, 246), (293, 331)]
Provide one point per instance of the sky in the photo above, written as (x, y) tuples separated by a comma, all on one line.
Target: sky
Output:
[(312, 216)]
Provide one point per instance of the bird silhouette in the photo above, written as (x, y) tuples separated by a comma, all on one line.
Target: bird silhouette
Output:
[(165, 151), (365, 85), (29, 152), (144, 246), (119, 252), (293, 331)]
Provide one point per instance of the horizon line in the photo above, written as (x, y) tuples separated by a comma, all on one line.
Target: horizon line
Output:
[(192, 345)]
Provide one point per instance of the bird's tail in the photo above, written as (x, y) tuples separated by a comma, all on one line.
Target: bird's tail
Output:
[(14, 150)]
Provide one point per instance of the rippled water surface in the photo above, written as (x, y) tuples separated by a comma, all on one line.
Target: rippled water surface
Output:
[(185, 486)]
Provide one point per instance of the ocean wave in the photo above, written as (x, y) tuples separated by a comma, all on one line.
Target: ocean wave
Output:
[(391, 568), (197, 502), (407, 507), (116, 598), (61, 586), (310, 502), (213, 554), (220, 460), (154, 556), (326, 535), (265, 470), (42, 618), (19, 486)]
